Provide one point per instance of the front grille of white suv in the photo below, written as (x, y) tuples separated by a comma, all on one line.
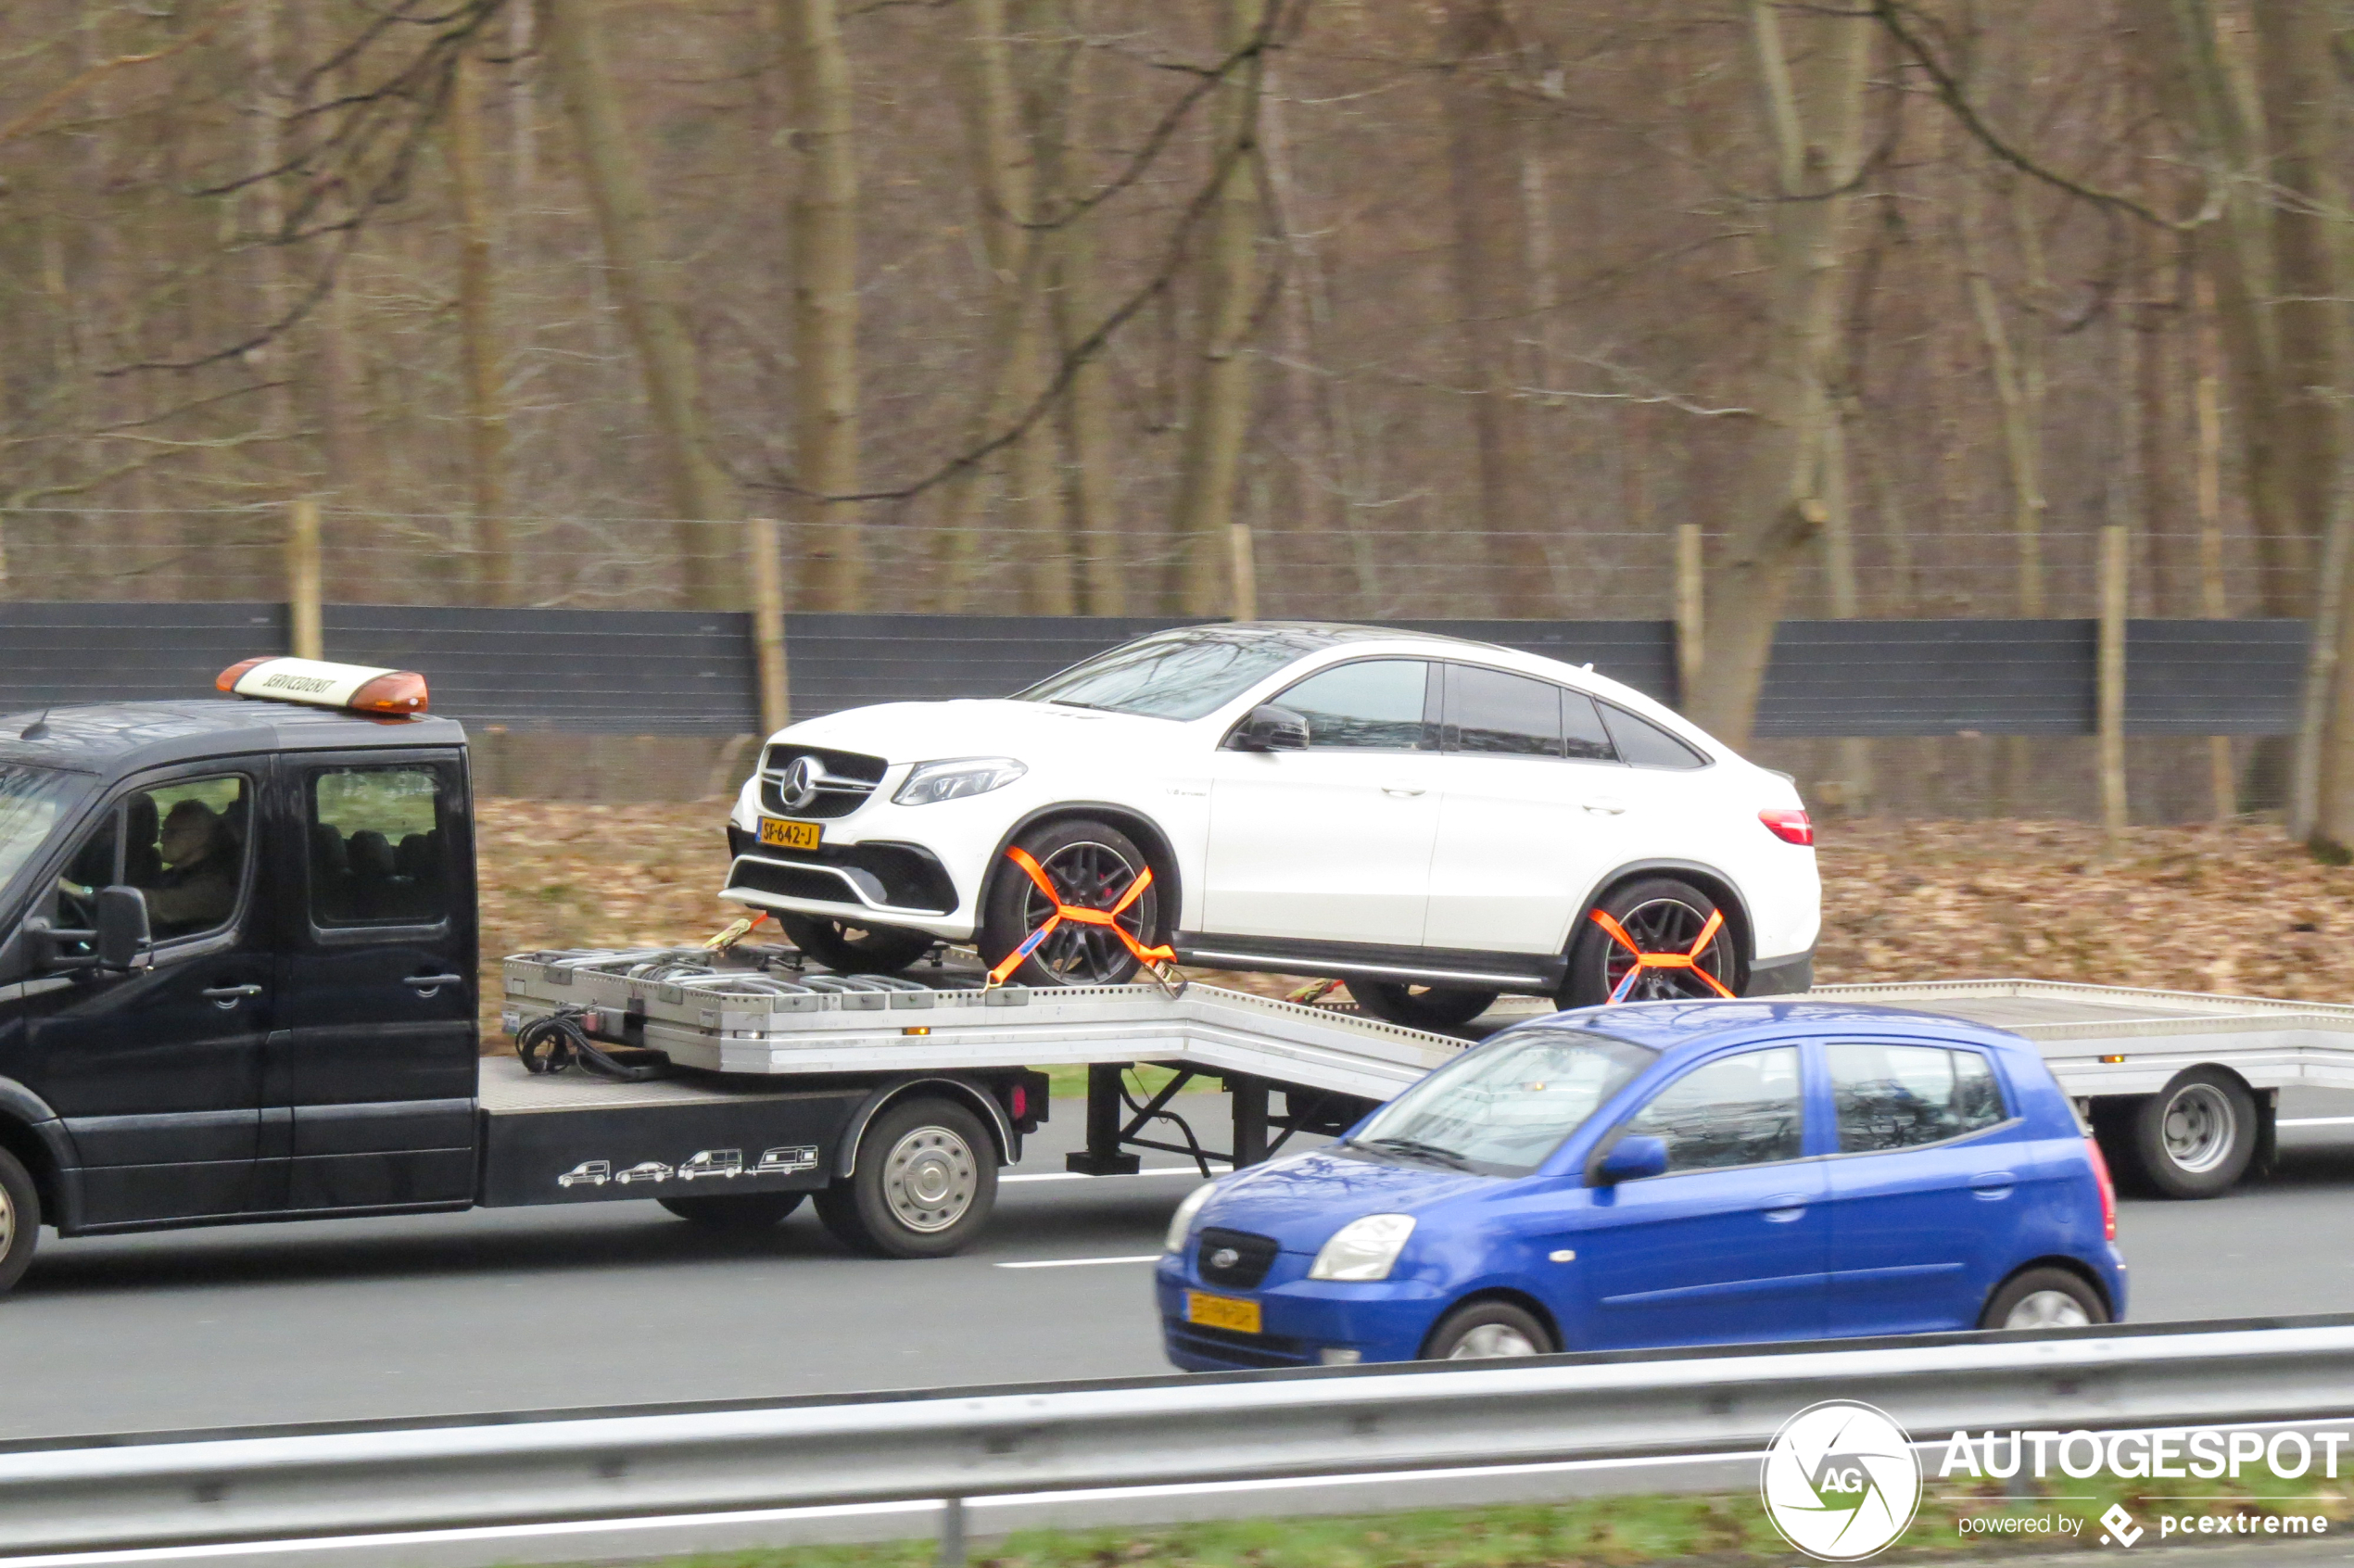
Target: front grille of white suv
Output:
[(843, 781)]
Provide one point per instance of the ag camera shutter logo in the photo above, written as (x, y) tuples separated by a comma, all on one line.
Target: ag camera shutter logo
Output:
[(1840, 1481)]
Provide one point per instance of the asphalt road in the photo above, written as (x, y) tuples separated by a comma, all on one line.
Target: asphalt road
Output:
[(532, 1309)]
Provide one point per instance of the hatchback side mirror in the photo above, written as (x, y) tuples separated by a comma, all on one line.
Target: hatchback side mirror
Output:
[(119, 932), (1631, 1159), (1270, 727)]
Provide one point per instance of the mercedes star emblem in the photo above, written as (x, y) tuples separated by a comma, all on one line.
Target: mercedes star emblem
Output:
[(800, 787)]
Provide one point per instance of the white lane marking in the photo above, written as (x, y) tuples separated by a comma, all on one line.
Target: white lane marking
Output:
[(2315, 1121), (1078, 1262), (1156, 1170)]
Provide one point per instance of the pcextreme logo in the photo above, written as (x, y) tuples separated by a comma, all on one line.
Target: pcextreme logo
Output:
[(1840, 1480)]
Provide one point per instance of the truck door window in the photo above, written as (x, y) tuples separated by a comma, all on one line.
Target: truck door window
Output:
[(376, 855), (184, 844)]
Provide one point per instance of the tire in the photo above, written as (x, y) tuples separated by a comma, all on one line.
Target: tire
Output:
[(873, 950), (734, 1211), (1482, 1331), (1434, 1007), (1663, 914), (2043, 1299), (1093, 865), (924, 1182), (2194, 1138), (20, 1220)]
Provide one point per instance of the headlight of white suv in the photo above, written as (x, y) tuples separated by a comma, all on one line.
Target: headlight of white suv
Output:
[(929, 783), (1181, 1222), (1363, 1250)]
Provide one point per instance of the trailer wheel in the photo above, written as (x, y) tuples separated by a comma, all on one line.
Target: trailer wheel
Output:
[(734, 1211), (1421, 1006), (924, 1184), (855, 950), (2194, 1138), (20, 1220)]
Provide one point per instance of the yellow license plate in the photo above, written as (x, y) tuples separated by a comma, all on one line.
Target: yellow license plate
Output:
[(1222, 1312), (789, 835)]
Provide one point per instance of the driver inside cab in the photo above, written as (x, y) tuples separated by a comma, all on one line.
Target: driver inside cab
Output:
[(199, 885)]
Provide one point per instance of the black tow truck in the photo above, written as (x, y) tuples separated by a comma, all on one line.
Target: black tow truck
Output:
[(238, 983)]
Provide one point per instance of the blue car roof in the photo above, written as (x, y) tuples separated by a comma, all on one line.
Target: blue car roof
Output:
[(1680, 1028)]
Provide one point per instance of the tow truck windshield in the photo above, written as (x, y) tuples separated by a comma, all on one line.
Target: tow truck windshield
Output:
[(1175, 674), (1501, 1110), (31, 799)]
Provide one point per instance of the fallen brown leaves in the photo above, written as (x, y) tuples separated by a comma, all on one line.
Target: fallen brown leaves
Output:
[(2227, 909)]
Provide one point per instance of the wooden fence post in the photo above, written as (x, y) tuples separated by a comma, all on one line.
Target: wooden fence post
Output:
[(2115, 543), (1688, 612), (768, 623), (1246, 570), (305, 636)]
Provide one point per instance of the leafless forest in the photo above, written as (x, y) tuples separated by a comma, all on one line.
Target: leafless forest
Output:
[(1465, 308)]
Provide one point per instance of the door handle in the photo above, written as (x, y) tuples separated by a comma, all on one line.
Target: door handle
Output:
[(1605, 807), (1401, 790), (1992, 1184), (227, 996), (427, 984), (1783, 1207)]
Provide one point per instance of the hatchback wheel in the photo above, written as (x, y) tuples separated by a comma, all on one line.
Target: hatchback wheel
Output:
[(1421, 1006), (2043, 1298), (1659, 939), (1090, 866), (1485, 1331)]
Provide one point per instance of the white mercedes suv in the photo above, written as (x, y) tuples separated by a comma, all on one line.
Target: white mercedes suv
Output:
[(1431, 820)]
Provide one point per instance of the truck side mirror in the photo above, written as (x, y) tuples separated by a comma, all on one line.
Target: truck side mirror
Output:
[(1631, 1159), (1270, 727), (118, 930)]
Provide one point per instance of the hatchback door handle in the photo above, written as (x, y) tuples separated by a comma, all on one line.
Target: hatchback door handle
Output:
[(1605, 807), (226, 996), (428, 984), (1786, 1207), (1993, 1183)]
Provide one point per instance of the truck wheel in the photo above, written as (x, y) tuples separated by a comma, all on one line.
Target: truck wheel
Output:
[(1421, 1006), (924, 1182), (855, 950), (2194, 1138), (20, 1220), (2041, 1298), (1661, 914), (734, 1211), (1092, 865)]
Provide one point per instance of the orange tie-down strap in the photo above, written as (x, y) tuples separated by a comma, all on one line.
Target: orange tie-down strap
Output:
[(1663, 960), (1107, 919)]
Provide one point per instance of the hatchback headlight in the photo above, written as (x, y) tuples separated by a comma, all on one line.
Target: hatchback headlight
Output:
[(1363, 1250), (1181, 1223), (928, 783)]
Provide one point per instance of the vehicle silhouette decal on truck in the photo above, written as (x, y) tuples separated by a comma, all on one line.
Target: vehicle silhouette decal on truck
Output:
[(785, 1160)]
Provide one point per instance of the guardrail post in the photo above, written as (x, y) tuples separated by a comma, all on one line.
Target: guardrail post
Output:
[(952, 1532)]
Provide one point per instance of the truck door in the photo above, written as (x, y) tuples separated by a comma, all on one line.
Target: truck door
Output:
[(374, 1056), (158, 1073)]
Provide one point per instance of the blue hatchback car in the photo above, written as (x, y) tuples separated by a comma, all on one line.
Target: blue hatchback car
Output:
[(1662, 1174)]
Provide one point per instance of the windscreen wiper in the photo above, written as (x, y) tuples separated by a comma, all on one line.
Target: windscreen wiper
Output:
[(1415, 1147)]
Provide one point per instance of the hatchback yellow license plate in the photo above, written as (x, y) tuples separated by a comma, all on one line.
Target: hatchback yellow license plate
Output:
[(1222, 1312), (789, 835)]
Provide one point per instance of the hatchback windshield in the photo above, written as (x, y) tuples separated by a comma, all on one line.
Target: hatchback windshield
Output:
[(1174, 675), (30, 802), (1501, 1110)]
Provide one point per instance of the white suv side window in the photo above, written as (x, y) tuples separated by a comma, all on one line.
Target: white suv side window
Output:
[(1374, 705)]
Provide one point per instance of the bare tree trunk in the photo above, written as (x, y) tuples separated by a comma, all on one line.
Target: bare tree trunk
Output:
[(1218, 403), (1814, 111), (494, 564), (825, 305), (643, 286), (1488, 249)]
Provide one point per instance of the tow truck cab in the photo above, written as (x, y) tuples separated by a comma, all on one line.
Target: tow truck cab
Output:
[(238, 982)]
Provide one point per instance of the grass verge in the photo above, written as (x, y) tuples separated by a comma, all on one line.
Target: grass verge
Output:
[(1955, 1521)]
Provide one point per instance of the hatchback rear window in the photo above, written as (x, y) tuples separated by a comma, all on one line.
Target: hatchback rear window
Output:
[(1900, 1096)]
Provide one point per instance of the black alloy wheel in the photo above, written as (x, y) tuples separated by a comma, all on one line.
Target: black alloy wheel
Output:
[(855, 950), (1432, 1007), (1091, 865), (1660, 915)]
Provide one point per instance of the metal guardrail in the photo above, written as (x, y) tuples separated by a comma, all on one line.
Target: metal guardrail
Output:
[(129, 1492)]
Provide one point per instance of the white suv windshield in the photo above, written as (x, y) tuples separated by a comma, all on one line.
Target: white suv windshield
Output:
[(1501, 1110), (1174, 675)]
